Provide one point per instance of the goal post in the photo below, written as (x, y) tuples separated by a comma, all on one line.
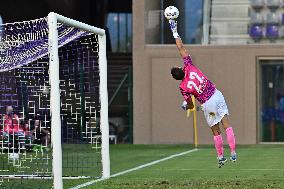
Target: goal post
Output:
[(104, 107), (53, 72), (55, 101), (53, 18)]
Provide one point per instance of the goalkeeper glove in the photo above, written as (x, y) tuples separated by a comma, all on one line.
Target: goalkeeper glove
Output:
[(184, 105), (173, 26)]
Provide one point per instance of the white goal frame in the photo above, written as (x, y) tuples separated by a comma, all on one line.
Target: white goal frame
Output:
[(53, 19)]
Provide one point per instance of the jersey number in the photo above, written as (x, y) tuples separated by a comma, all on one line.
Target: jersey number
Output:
[(190, 84)]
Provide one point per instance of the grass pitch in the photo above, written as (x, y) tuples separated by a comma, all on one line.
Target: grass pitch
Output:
[(258, 166)]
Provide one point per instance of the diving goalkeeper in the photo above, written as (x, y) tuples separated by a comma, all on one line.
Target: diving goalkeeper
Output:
[(194, 82)]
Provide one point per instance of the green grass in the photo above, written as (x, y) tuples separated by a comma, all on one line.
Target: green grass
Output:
[(258, 166), (78, 160)]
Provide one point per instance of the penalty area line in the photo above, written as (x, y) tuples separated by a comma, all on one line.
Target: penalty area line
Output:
[(135, 168)]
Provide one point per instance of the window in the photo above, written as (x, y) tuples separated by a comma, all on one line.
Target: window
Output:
[(217, 22), (271, 99), (193, 21), (190, 22), (120, 31)]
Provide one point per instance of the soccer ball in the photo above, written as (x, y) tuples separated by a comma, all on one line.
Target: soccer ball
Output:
[(14, 156), (171, 12)]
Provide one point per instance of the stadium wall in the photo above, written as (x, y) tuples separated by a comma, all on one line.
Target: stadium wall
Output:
[(158, 117)]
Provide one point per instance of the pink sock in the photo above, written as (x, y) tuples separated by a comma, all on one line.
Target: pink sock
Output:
[(231, 139), (219, 145)]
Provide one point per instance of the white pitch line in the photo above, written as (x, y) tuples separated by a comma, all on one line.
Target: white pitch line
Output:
[(135, 168), (39, 177), (226, 169), (152, 163)]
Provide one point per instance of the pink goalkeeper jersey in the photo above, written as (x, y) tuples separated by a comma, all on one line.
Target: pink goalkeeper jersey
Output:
[(195, 83)]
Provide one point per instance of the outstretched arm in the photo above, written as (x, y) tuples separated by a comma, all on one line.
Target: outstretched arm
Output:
[(179, 44), (182, 51)]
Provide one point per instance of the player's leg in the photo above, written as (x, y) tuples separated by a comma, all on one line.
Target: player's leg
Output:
[(218, 144), (214, 110), (230, 137)]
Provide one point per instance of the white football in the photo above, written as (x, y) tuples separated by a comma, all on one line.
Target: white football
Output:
[(14, 156), (171, 12)]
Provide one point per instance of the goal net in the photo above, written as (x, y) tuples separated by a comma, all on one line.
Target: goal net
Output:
[(53, 103)]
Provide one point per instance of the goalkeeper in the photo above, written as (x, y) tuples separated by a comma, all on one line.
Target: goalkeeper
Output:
[(194, 82)]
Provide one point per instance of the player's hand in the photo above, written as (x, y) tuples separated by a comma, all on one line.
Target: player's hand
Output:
[(173, 26), (184, 105)]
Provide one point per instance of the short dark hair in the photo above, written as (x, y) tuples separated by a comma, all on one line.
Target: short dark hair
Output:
[(177, 73)]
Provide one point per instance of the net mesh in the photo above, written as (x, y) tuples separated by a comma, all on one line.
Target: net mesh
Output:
[(26, 152), (25, 42)]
